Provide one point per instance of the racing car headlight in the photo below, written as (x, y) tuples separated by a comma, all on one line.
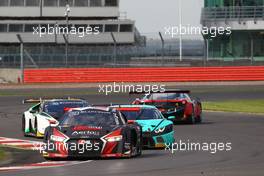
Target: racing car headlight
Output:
[(57, 138), (114, 138), (164, 130), (160, 130)]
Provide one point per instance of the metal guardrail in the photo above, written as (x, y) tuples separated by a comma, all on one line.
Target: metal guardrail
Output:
[(233, 13)]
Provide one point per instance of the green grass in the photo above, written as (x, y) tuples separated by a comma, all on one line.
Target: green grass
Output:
[(246, 106), (2, 154)]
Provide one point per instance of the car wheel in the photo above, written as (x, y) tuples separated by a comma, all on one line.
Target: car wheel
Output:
[(139, 148), (199, 119), (127, 139), (134, 143), (51, 159), (36, 127), (24, 126), (191, 119)]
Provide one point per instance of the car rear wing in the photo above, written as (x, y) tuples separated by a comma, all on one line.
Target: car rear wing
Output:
[(32, 100), (107, 105), (161, 92)]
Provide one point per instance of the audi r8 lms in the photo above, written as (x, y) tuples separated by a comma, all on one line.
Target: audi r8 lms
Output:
[(177, 103), (45, 113), (93, 132), (157, 131)]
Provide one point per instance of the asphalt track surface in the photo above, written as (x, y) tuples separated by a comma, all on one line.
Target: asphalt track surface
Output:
[(244, 131)]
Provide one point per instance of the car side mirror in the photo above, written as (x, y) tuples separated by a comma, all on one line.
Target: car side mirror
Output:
[(32, 111), (137, 101), (171, 117)]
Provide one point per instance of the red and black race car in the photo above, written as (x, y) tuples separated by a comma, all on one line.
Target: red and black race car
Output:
[(92, 132), (175, 105)]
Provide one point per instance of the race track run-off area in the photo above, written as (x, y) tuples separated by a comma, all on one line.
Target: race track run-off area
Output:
[(243, 131)]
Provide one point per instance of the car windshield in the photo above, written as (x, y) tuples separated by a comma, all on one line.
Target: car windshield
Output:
[(164, 96), (89, 118), (141, 113), (57, 108)]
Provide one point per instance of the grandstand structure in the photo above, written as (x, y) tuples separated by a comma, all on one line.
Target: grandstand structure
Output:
[(246, 19), (20, 18)]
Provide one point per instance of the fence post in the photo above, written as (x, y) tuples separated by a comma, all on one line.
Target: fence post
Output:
[(252, 48), (163, 43), (21, 58), (66, 49), (180, 21), (115, 48), (41, 8), (206, 51), (67, 11)]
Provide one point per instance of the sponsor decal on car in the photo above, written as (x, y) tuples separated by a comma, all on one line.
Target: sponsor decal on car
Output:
[(85, 133)]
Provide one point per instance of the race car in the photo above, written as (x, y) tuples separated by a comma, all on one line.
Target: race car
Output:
[(157, 131), (45, 113), (93, 132), (177, 103)]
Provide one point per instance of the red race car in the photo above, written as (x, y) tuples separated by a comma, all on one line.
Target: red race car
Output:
[(175, 105), (92, 132)]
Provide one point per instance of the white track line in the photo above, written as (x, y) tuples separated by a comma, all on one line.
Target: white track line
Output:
[(48, 164)]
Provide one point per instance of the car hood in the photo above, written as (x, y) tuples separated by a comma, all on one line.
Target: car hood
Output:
[(79, 132)]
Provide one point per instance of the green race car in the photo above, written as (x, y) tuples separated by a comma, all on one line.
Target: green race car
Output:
[(157, 132)]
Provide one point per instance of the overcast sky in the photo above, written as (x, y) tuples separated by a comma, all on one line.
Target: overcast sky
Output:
[(152, 16)]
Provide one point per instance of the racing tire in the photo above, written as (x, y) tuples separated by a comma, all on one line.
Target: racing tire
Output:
[(201, 114), (139, 148), (133, 142), (36, 128), (24, 126), (191, 119), (140, 145), (199, 119), (53, 159)]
